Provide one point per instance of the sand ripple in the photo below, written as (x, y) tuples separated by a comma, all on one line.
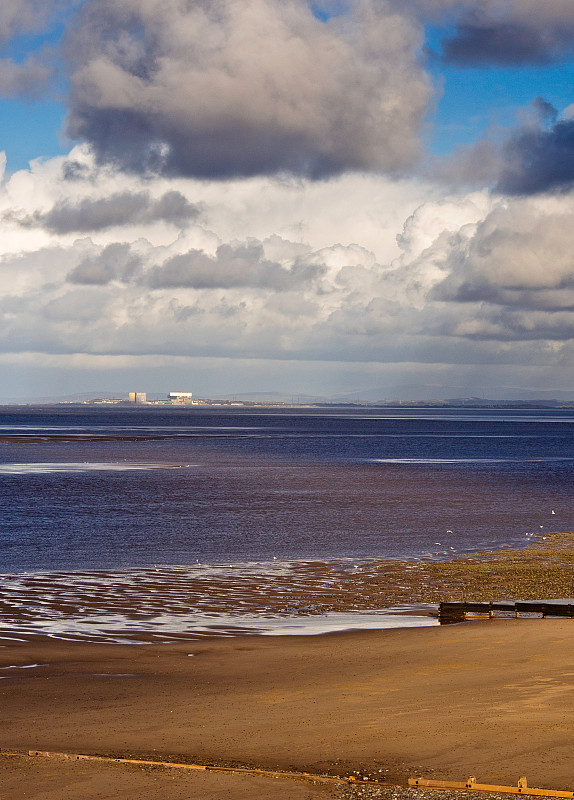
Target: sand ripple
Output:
[(144, 604)]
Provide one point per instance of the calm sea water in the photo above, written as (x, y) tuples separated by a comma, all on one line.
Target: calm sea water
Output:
[(122, 487)]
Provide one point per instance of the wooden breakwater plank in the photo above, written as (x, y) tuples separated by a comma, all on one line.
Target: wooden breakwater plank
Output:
[(109, 759), (454, 611), (297, 776), (472, 785)]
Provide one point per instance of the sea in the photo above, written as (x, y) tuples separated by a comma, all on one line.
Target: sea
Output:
[(90, 495)]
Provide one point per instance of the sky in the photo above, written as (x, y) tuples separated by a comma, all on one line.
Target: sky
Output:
[(348, 198)]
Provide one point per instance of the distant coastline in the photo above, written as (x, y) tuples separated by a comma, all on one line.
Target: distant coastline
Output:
[(462, 403)]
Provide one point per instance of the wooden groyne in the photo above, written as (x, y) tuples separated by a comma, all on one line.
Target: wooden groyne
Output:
[(421, 783), (521, 788), (459, 611)]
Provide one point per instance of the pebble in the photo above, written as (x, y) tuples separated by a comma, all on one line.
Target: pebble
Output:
[(404, 793)]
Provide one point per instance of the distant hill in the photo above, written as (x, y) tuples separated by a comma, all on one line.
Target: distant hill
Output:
[(412, 394)]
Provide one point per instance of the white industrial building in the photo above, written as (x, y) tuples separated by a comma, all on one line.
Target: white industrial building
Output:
[(180, 397)]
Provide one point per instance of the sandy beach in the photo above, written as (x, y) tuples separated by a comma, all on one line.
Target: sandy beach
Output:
[(485, 698)]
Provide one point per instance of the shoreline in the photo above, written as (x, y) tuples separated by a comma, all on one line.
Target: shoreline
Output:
[(170, 603)]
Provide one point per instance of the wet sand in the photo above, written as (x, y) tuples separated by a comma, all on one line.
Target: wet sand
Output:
[(490, 698)]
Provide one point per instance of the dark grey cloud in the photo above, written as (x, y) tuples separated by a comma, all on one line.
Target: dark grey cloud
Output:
[(538, 159), (500, 32), (75, 171), (124, 208), (507, 43), (219, 88), (559, 299), (233, 266), (114, 262), (535, 157)]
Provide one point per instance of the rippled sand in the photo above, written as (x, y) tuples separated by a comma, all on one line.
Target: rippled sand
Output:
[(166, 603)]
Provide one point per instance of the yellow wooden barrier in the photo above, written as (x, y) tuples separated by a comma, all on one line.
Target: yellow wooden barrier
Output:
[(423, 783), (300, 776), (521, 788)]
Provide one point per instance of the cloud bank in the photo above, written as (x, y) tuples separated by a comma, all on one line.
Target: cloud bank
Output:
[(466, 282), (226, 89)]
